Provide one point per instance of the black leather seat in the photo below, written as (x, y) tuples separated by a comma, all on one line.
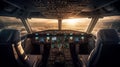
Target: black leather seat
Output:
[(107, 50), (8, 38), (12, 52)]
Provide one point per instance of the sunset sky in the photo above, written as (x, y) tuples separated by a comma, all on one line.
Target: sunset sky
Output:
[(73, 24)]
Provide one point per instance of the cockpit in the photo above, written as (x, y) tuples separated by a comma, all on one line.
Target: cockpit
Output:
[(59, 33)]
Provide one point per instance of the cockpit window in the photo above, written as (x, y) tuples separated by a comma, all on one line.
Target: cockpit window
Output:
[(79, 24), (108, 22), (39, 24), (13, 23)]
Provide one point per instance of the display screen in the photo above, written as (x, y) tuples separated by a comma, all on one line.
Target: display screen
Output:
[(48, 38), (36, 38), (71, 38), (54, 38), (41, 39), (36, 34), (82, 37), (76, 39)]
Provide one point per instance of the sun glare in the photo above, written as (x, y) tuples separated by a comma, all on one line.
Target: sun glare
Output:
[(71, 21)]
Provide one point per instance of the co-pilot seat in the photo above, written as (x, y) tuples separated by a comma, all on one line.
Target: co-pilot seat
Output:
[(12, 53), (8, 39), (107, 50)]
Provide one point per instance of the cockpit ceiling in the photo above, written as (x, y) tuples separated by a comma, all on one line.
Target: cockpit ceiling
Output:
[(55, 9)]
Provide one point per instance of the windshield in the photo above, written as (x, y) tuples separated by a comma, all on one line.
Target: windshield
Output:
[(107, 22), (79, 24), (12, 23), (39, 24)]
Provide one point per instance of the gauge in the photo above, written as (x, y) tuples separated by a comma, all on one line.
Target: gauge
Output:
[(36, 38), (48, 38), (71, 38), (82, 38), (36, 34)]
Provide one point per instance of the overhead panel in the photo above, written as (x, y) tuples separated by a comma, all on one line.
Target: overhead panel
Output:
[(102, 3), (60, 8)]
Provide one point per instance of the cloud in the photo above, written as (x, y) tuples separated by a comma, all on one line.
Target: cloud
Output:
[(9, 19)]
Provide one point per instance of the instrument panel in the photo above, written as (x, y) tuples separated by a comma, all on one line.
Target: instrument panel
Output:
[(61, 39), (59, 36)]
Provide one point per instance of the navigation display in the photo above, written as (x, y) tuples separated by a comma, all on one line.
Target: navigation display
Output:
[(76, 39), (54, 38)]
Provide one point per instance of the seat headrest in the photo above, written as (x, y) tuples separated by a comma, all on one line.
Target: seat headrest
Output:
[(9, 36), (108, 36)]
